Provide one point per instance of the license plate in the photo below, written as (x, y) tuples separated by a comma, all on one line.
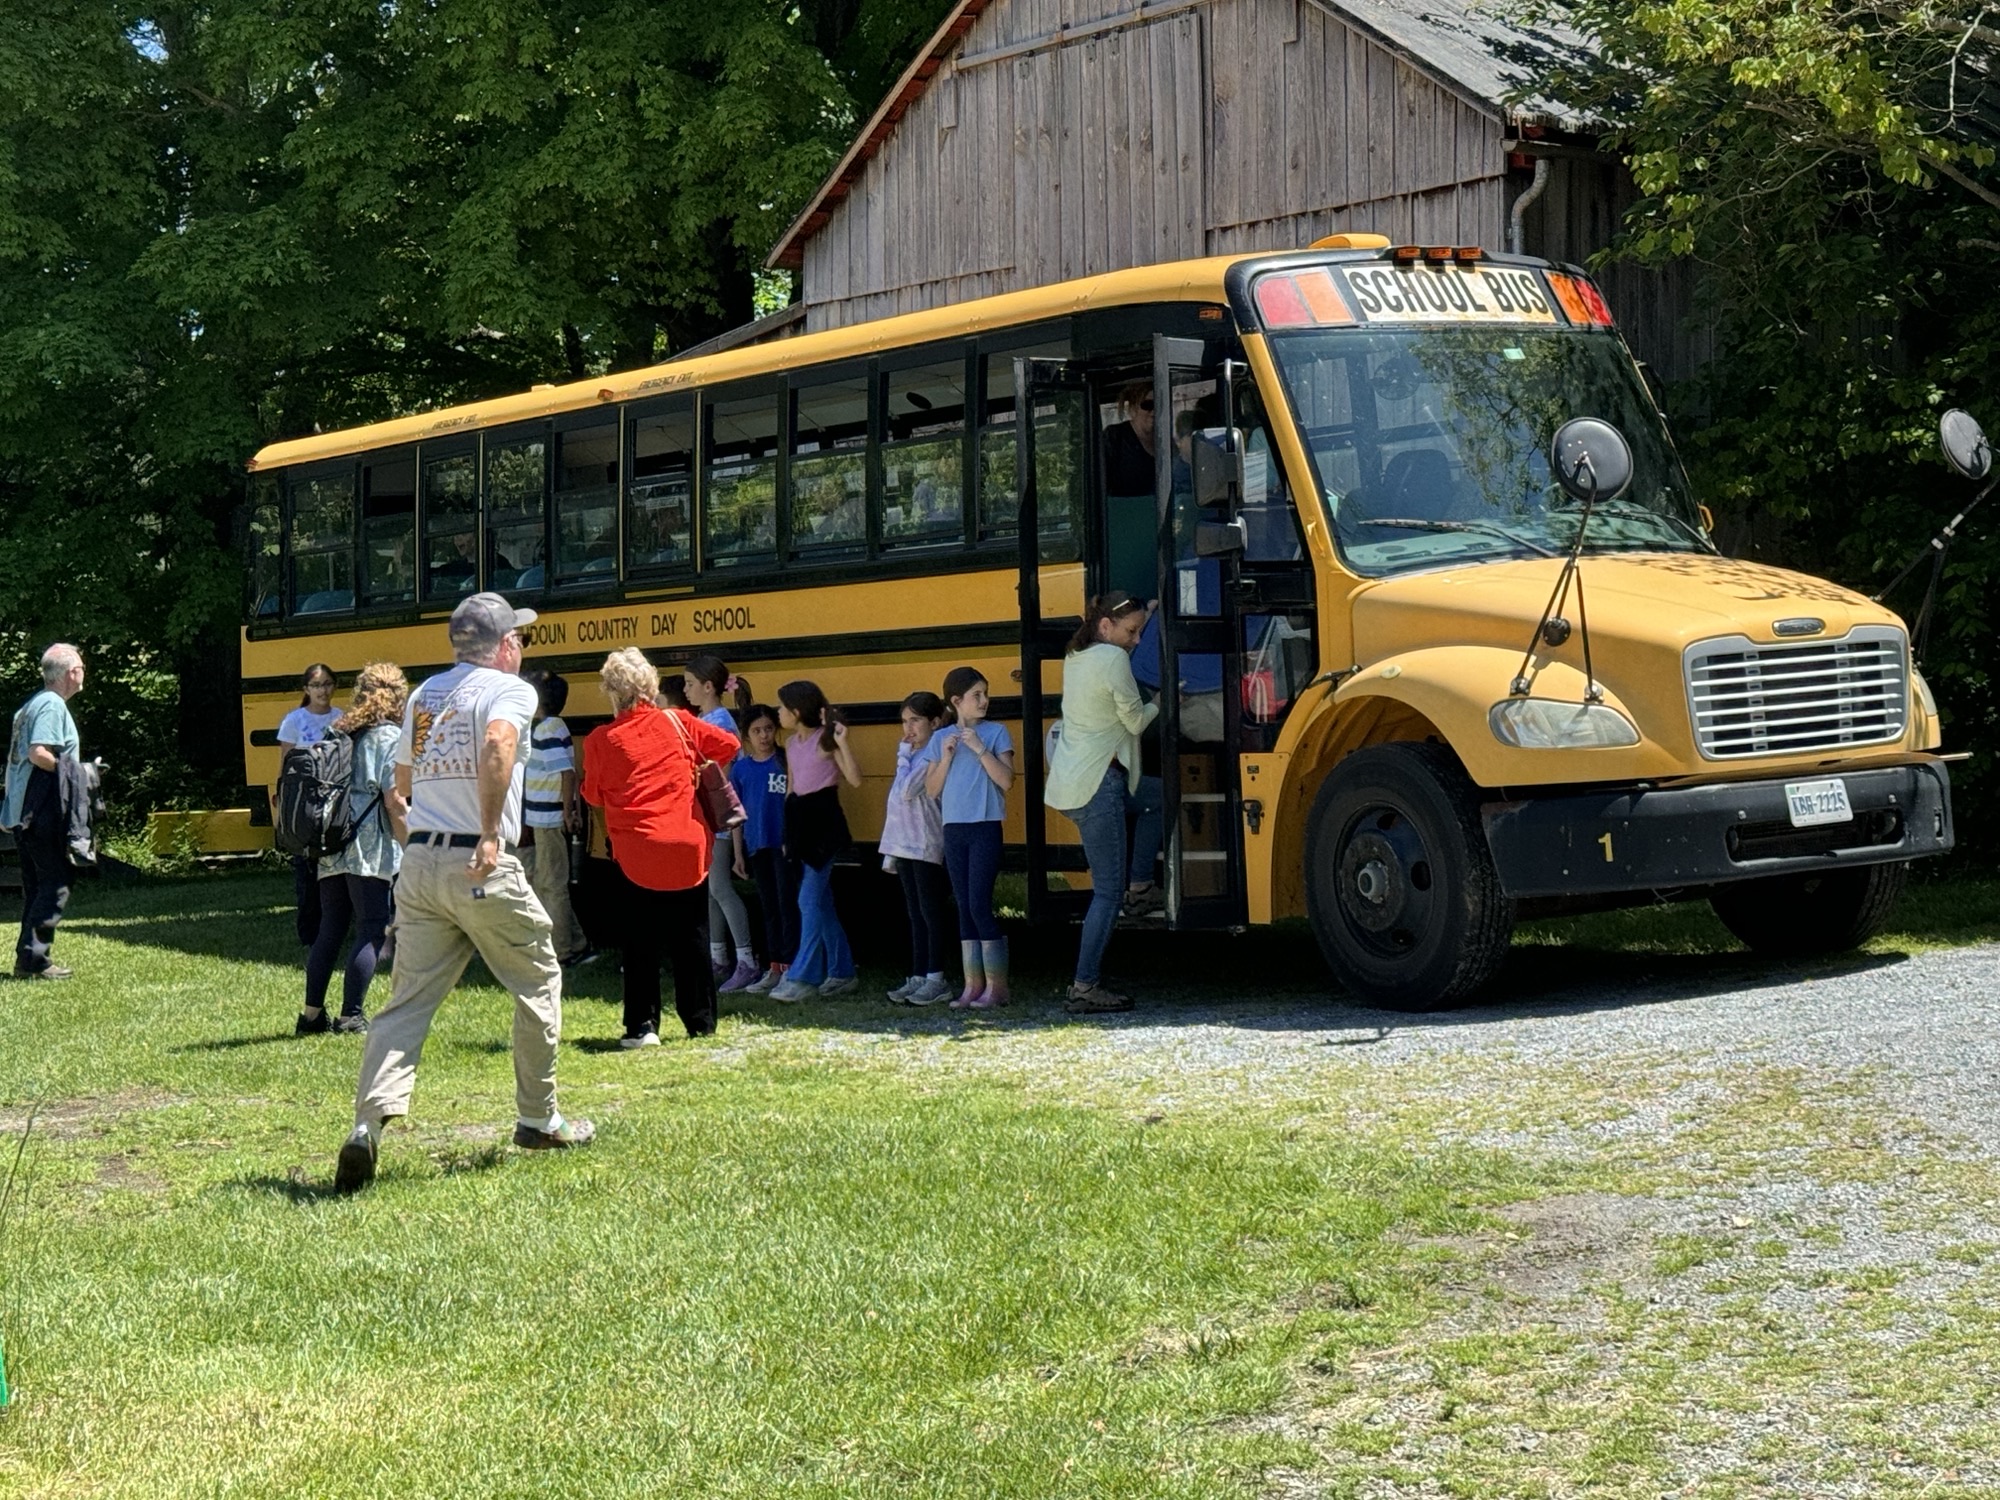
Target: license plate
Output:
[(1816, 802)]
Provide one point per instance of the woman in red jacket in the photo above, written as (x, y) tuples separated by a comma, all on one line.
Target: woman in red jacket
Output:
[(640, 768)]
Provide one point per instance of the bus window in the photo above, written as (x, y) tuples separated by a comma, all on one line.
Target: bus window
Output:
[(323, 542), (451, 526), (266, 545), (923, 455), (1270, 523), (389, 531), (1058, 452), (516, 480), (586, 503), (829, 474), (659, 524), (739, 513)]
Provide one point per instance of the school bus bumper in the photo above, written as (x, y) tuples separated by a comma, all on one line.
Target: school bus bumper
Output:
[(1661, 838)]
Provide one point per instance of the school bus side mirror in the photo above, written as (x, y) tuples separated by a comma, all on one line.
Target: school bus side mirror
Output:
[(1218, 538), (1964, 443), (1216, 455), (1591, 460)]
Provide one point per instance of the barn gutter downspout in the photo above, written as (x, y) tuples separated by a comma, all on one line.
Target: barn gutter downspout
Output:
[(1517, 217)]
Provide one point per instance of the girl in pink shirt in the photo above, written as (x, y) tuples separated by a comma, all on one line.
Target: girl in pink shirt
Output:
[(817, 759)]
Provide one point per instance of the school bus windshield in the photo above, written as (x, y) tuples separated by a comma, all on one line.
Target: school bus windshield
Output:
[(1431, 445)]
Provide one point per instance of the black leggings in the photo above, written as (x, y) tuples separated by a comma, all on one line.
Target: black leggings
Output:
[(341, 898), (927, 898), (972, 855), (778, 894), (674, 923)]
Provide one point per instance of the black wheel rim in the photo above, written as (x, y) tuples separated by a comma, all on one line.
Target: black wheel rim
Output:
[(1385, 882)]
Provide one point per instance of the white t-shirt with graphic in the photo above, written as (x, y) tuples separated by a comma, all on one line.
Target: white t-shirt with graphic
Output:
[(304, 727), (444, 732)]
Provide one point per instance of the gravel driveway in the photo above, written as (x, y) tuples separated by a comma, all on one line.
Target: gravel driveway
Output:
[(1767, 1260)]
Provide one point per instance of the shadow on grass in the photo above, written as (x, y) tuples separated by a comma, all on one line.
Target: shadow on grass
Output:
[(235, 1043), (1270, 978), (297, 1186), (293, 1186), (1294, 995)]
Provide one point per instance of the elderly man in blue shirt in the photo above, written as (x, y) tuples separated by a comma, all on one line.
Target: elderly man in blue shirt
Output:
[(43, 735)]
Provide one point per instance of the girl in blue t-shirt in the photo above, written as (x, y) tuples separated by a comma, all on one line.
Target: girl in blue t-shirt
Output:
[(759, 842), (968, 767), (710, 687)]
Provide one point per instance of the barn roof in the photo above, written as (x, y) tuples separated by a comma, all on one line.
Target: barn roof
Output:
[(1466, 44)]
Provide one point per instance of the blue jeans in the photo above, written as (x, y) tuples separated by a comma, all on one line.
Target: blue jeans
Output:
[(1101, 821), (823, 951)]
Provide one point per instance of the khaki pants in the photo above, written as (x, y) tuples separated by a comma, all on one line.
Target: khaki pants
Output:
[(441, 920), (547, 863)]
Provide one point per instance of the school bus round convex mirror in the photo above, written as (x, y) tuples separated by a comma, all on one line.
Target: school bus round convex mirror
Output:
[(1964, 443), (1592, 460)]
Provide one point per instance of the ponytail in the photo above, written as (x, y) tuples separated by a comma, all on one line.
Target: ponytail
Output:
[(809, 703), (1112, 606)]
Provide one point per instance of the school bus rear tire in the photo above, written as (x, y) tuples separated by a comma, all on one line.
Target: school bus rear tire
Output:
[(1822, 911), (1400, 885)]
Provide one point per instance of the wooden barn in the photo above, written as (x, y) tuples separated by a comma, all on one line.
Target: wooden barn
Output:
[(1034, 141)]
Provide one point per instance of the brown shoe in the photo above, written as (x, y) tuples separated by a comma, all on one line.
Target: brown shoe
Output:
[(569, 1133), (1094, 1000)]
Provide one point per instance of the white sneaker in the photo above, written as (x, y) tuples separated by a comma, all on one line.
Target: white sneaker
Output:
[(770, 980), (792, 991), (839, 986), (907, 988), (643, 1039), (932, 992)]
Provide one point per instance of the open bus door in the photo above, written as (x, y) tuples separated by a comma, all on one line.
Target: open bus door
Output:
[(1199, 639), (1047, 450)]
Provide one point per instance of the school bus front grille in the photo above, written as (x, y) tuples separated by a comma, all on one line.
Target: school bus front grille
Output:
[(1750, 699)]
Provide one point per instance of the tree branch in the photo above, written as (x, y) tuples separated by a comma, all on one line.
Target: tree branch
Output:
[(1983, 193)]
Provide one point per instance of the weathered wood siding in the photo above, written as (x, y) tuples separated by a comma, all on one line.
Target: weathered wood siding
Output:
[(1316, 128), (1197, 127), (1221, 126), (1578, 215)]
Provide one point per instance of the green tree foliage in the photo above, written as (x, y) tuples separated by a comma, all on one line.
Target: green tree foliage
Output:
[(1830, 167), (228, 221)]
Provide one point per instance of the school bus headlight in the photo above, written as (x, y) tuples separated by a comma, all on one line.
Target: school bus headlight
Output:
[(1923, 692), (1545, 724)]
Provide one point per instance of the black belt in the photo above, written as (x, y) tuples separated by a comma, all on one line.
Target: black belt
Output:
[(451, 840)]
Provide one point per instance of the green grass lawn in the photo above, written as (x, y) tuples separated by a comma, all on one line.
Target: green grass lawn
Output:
[(785, 1267), (773, 1273)]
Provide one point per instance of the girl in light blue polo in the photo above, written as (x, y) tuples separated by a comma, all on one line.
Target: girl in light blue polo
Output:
[(969, 766)]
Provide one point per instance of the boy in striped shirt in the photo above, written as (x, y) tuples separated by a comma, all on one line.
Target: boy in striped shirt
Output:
[(549, 813)]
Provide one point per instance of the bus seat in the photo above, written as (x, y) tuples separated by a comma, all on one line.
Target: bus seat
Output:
[(324, 601), (1417, 483), (529, 578), (601, 565)]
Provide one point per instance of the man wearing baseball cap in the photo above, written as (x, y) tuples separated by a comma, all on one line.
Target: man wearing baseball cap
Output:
[(462, 888)]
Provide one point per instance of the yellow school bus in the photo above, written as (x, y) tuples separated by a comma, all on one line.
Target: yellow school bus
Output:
[(1421, 673)]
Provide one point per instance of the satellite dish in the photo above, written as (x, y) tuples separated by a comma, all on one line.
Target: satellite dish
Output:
[(1965, 445), (1592, 460)]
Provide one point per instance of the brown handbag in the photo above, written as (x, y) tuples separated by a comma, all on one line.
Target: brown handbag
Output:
[(715, 796)]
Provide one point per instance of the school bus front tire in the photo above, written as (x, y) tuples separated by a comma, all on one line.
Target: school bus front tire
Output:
[(1400, 884), (1821, 911)]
